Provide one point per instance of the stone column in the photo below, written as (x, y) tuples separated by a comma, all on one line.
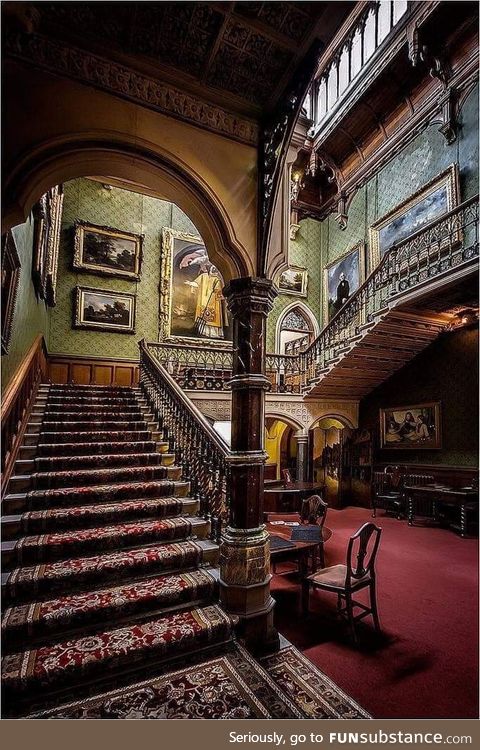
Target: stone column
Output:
[(245, 552), (302, 456)]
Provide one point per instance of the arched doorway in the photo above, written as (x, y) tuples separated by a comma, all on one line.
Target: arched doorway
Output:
[(326, 450), (296, 329), (281, 448)]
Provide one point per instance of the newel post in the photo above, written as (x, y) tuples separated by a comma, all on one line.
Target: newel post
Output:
[(245, 551)]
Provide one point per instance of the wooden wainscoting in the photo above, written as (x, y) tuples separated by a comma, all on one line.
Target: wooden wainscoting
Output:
[(92, 371)]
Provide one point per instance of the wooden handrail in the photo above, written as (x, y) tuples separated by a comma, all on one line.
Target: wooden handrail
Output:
[(17, 404), (187, 403), (11, 391)]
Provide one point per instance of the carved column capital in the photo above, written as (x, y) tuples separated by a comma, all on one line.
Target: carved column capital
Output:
[(249, 294)]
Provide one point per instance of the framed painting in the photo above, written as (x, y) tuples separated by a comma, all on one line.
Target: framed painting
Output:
[(411, 427), (294, 280), (434, 199), (341, 279), (107, 251), (10, 281), (104, 310), (47, 214), (192, 306)]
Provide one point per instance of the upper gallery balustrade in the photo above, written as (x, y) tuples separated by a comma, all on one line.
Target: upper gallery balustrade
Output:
[(427, 256), (363, 35)]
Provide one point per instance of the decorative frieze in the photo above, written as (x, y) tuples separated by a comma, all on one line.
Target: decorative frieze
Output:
[(122, 81)]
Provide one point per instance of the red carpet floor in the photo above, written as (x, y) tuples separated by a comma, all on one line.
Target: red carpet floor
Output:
[(426, 663)]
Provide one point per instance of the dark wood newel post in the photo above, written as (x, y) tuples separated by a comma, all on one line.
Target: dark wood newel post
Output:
[(245, 552)]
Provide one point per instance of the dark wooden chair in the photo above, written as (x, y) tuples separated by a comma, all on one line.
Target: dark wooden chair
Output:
[(387, 491), (314, 511), (346, 580)]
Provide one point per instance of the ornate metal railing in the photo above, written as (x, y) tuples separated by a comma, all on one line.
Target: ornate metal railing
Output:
[(198, 448), (210, 368), (436, 249)]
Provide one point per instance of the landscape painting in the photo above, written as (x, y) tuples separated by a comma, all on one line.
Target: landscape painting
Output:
[(104, 310), (411, 427), (341, 279), (294, 281), (107, 251), (431, 202)]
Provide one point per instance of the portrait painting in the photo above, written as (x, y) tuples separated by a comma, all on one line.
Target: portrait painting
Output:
[(411, 427), (10, 281), (294, 281), (435, 199), (107, 251), (341, 279), (104, 310), (192, 302)]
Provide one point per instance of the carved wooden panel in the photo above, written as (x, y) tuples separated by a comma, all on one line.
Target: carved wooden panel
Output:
[(95, 371)]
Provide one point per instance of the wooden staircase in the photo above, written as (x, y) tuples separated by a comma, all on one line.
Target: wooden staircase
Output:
[(370, 357), (107, 565)]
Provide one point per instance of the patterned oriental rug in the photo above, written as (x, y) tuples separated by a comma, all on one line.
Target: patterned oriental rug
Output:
[(313, 693), (229, 686)]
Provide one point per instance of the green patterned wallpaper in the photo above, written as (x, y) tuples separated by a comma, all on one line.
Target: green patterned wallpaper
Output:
[(30, 317), (86, 199), (304, 251), (320, 243)]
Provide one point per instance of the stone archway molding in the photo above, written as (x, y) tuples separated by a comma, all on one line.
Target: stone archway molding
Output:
[(158, 172)]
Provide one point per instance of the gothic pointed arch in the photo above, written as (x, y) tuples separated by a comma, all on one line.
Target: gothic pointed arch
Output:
[(300, 320)]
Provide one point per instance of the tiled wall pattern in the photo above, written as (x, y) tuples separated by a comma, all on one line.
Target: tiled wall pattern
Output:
[(121, 209), (30, 317)]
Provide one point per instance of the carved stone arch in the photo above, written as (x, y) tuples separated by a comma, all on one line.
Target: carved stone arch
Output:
[(154, 172), (305, 310), (289, 420), (344, 420)]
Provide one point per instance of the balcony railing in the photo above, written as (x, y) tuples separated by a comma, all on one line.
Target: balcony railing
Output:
[(351, 52), (437, 249)]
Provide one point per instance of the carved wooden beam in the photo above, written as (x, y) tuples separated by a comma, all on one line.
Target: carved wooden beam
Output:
[(275, 137)]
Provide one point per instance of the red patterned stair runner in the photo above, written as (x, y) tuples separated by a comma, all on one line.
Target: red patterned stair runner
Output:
[(104, 567)]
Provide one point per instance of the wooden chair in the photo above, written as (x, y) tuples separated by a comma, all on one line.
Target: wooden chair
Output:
[(314, 511), (346, 580), (387, 491)]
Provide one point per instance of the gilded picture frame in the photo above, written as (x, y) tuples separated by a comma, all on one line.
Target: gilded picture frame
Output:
[(192, 308), (352, 265), (417, 427), (293, 280), (104, 310), (437, 197), (47, 215), (106, 251)]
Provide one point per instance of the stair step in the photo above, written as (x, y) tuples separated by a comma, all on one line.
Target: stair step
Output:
[(70, 662), (94, 460), (88, 477), (94, 449), (57, 616), (55, 578), (74, 543), (75, 402), (97, 415), (95, 425), (108, 432), (71, 496), (82, 517), (85, 389)]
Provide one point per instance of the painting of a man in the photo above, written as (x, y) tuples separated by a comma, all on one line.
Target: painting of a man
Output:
[(342, 279)]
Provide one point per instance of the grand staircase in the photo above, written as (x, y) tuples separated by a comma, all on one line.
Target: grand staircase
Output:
[(107, 565)]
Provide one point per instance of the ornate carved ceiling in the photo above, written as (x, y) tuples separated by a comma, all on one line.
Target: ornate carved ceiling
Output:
[(244, 51)]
